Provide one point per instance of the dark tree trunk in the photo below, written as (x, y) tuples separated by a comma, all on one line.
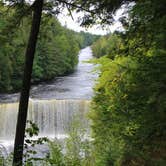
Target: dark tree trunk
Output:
[(24, 98)]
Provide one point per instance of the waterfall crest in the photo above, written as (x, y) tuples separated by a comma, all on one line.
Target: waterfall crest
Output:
[(53, 117)]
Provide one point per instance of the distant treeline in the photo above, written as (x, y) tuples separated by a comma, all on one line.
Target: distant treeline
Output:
[(86, 39), (56, 52), (110, 45)]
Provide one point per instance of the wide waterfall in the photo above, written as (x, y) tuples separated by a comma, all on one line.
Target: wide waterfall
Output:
[(53, 117), (53, 105)]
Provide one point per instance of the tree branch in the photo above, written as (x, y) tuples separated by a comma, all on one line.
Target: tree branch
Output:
[(76, 6)]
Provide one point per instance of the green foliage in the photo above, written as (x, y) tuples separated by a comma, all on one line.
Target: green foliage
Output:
[(77, 145), (56, 156), (128, 109), (31, 143), (5, 160), (56, 52), (1, 158), (77, 150), (29, 148), (87, 39), (110, 45), (54, 55)]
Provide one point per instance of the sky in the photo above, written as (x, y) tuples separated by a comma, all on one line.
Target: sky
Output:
[(74, 25), (66, 20)]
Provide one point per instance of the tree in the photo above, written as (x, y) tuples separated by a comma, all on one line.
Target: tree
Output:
[(129, 104), (23, 104), (93, 9)]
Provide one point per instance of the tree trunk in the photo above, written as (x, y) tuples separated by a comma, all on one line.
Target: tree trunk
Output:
[(24, 98)]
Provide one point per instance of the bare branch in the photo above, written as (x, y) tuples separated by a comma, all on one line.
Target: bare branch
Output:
[(70, 12), (76, 6)]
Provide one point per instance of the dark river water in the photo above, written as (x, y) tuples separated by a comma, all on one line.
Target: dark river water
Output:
[(77, 85)]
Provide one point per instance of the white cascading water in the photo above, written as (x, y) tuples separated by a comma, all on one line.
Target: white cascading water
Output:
[(53, 117)]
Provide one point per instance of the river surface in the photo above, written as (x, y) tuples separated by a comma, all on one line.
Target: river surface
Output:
[(77, 85)]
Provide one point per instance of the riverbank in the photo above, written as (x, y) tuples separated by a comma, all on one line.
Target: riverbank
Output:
[(77, 85)]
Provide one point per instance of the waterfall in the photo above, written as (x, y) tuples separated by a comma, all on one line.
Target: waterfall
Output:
[(53, 117)]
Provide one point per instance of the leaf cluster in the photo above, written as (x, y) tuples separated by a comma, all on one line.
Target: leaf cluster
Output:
[(128, 109)]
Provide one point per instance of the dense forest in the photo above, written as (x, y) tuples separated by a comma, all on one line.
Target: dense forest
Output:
[(128, 110), (56, 52)]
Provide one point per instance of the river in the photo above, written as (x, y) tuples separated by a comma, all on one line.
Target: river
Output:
[(53, 105), (77, 85)]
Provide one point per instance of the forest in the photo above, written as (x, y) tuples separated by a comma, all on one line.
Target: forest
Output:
[(56, 51), (129, 106), (128, 109)]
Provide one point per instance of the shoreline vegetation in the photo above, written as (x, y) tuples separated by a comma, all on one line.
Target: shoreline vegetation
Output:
[(129, 106), (56, 52), (128, 110)]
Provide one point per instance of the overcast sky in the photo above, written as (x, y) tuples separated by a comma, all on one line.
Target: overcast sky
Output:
[(74, 25)]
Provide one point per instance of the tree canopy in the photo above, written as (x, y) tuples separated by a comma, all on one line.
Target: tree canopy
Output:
[(128, 109), (56, 52)]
